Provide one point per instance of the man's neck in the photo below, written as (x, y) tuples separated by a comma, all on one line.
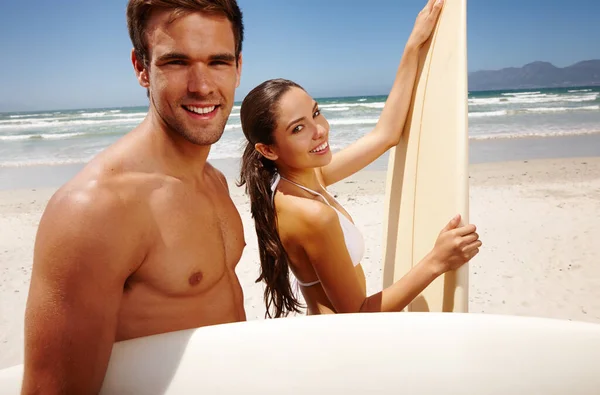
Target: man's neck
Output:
[(183, 157)]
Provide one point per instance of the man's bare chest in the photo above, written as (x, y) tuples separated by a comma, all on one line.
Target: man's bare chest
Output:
[(194, 242)]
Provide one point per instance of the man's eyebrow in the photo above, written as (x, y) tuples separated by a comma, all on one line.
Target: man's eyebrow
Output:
[(301, 118), (223, 57), (172, 56)]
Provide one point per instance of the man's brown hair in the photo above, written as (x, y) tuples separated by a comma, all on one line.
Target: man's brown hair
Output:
[(139, 11)]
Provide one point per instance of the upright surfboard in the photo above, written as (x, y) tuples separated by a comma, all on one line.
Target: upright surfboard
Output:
[(427, 177)]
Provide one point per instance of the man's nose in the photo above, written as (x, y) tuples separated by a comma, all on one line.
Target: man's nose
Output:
[(200, 81)]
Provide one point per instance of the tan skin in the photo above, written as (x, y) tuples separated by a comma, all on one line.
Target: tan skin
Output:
[(310, 230), (145, 239)]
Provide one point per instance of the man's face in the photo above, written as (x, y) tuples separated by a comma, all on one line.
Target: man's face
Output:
[(192, 74)]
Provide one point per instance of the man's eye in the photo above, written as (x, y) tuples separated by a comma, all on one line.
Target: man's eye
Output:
[(220, 63)]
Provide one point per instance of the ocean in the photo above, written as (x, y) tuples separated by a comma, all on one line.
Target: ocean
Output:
[(75, 136)]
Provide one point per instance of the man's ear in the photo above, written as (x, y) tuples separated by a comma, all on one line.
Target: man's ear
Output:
[(141, 72), (267, 151)]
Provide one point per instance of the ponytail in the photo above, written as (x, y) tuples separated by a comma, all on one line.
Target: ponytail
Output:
[(256, 173)]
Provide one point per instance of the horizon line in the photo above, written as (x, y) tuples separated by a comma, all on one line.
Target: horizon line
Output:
[(238, 102)]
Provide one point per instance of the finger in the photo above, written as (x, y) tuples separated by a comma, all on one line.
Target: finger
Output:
[(473, 246), (429, 5), (465, 230), (471, 254), (470, 238), (452, 224), (437, 7)]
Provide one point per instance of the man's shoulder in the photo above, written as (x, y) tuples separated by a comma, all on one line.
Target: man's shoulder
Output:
[(94, 214), (103, 189), (88, 225), (88, 198)]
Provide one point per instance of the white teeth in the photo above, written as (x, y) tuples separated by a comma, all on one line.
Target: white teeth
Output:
[(201, 110), (320, 147)]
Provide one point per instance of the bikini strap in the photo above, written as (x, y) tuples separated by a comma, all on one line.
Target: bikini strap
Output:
[(274, 182), (307, 190)]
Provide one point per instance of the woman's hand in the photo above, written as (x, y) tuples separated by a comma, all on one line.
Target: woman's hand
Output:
[(455, 246), (425, 23)]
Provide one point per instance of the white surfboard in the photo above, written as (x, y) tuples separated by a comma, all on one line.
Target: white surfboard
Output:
[(427, 180), (379, 353)]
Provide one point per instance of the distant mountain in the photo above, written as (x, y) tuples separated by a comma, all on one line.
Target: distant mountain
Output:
[(537, 75)]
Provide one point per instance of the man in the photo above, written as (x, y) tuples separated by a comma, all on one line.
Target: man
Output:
[(145, 239)]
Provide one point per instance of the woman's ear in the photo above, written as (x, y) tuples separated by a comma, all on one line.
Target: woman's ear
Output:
[(267, 151)]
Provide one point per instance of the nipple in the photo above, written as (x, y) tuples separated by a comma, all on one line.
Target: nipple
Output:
[(195, 279)]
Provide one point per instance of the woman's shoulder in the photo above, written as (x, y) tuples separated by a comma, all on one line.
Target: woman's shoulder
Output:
[(304, 217)]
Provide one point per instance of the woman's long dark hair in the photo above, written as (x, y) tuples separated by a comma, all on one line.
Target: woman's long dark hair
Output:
[(259, 120)]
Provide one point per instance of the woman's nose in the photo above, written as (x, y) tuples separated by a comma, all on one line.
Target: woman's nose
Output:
[(320, 132)]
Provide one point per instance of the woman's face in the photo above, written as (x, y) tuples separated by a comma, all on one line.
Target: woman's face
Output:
[(302, 133)]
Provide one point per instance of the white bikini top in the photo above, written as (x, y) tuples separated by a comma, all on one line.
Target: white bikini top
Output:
[(355, 243)]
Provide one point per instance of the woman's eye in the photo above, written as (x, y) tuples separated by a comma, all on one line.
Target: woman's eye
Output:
[(317, 113), (297, 128)]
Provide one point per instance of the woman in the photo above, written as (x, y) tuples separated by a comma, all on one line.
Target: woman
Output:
[(286, 167)]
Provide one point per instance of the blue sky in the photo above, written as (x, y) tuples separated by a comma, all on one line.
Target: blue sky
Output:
[(75, 53)]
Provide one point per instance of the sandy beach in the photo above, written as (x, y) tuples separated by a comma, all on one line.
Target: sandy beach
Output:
[(538, 219)]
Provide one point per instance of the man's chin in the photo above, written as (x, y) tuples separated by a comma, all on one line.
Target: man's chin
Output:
[(202, 138)]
